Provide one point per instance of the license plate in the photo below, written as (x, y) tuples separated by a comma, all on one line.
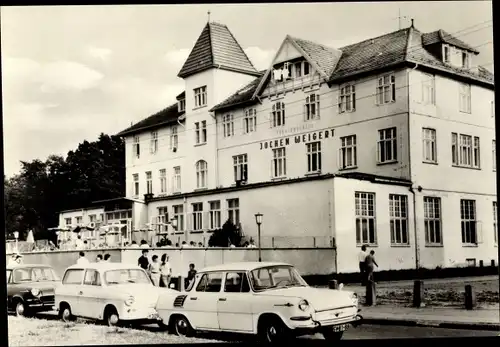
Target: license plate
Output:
[(341, 327)]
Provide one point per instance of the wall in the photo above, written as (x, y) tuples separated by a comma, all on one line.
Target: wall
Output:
[(84, 213), (388, 257)]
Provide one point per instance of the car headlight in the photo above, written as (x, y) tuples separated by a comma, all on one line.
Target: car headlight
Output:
[(303, 305), (36, 292), (130, 301), (354, 297)]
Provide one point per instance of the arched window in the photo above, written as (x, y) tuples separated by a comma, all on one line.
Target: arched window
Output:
[(278, 115), (311, 108), (201, 174)]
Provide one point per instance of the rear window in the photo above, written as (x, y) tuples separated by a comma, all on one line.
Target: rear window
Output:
[(73, 276)]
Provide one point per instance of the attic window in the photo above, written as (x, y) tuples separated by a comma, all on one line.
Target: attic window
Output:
[(446, 53), (465, 60), (182, 105)]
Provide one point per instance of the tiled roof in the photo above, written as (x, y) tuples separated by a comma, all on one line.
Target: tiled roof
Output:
[(181, 96), (241, 96), (216, 47), (441, 36), (325, 57), (166, 116)]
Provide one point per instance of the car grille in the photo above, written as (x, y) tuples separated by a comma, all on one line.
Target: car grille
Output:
[(338, 314), (47, 299)]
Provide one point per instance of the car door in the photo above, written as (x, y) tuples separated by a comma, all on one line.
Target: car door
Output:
[(203, 301), (234, 305), (71, 288), (91, 295)]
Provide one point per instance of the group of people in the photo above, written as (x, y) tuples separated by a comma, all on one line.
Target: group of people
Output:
[(367, 265), (99, 258)]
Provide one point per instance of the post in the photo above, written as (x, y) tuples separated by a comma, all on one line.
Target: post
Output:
[(333, 284), (481, 263), (260, 248), (418, 292), (470, 298), (371, 293)]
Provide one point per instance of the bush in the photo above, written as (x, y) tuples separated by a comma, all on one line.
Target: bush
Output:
[(230, 234)]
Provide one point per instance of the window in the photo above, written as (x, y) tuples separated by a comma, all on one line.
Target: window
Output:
[(137, 147), (279, 163), (201, 174), (386, 89), (429, 145), (495, 221), (465, 60), (162, 219), (432, 221), (365, 218), (465, 99), (174, 139), (347, 99), (428, 89), (387, 145), (494, 154), (236, 282), (467, 153), (179, 216), (200, 96), (228, 125), (240, 166), (233, 210), (210, 282), (73, 277), (149, 182), (348, 155), (250, 121), (92, 218), (278, 115), (126, 276), (446, 54), (43, 274), (197, 216), (177, 179), (78, 220), (215, 214), (67, 221), (163, 181), (92, 278), (313, 156), (398, 207), (201, 132), (136, 184), (182, 105), (311, 108), (468, 221), (154, 142), (301, 69)]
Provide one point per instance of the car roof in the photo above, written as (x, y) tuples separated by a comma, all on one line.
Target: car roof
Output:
[(104, 266), (20, 266), (242, 266)]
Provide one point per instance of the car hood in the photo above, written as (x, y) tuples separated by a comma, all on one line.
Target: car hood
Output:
[(44, 287), (144, 294), (319, 298)]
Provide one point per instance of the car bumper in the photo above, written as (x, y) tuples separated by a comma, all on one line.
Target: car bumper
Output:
[(310, 326), (140, 315), (40, 305)]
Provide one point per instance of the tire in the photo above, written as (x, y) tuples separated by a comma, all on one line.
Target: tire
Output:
[(273, 331), (182, 327), (20, 309), (331, 335), (111, 318), (65, 314)]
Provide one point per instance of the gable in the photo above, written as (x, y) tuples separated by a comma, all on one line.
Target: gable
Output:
[(286, 53)]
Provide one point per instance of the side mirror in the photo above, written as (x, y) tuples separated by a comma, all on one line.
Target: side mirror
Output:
[(341, 285)]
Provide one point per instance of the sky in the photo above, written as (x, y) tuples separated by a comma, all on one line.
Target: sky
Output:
[(72, 72)]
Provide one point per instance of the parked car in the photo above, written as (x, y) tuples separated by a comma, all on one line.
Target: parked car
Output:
[(111, 292), (267, 299), (30, 288)]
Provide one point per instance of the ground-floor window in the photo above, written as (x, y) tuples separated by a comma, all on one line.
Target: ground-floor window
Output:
[(468, 221), (366, 232), (398, 212), (197, 216), (179, 215), (233, 210), (215, 214), (432, 221)]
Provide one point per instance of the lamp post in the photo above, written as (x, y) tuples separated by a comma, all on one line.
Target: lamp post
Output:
[(16, 236), (258, 220)]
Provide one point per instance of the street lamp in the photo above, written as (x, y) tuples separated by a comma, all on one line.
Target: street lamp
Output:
[(16, 236), (258, 220)]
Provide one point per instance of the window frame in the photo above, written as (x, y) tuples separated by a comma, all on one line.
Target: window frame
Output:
[(200, 97), (278, 163), (344, 152), (214, 214), (381, 89), (149, 182), (313, 151), (369, 214), (154, 142), (228, 125), (398, 215), (383, 141), (433, 217), (163, 181), (464, 94), (429, 143), (467, 220), (240, 162), (250, 121), (312, 107), (201, 174), (278, 117), (347, 98)]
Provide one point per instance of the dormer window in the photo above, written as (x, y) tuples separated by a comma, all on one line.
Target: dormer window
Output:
[(446, 54), (291, 70), (182, 105), (465, 60)]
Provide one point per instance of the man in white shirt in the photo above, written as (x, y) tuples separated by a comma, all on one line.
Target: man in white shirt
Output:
[(362, 268), (82, 260), (251, 244)]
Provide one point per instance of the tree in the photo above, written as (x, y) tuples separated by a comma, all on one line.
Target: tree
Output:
[(230, 234)]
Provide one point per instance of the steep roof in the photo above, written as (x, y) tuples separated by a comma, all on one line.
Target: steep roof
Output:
[(181, 96), (325, 57), (168, 115), (216, 47), (241, 96), (441, 36)]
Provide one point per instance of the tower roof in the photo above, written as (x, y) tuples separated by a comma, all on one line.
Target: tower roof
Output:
[(217, 48)]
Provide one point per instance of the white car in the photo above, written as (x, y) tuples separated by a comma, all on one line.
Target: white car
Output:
[(267, 299), (112, 292)]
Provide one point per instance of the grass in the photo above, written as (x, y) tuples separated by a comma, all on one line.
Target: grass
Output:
[(42, 332)]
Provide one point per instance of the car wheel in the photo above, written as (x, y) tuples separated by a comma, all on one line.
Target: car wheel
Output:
[(273, 331), (112, 318), (66, 315), (182, 327), (331, 335), (20, 309)]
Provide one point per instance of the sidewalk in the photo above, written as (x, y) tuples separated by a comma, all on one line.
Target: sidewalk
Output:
[(479, 319)]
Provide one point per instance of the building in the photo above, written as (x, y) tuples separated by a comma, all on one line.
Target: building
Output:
[(373, 143)]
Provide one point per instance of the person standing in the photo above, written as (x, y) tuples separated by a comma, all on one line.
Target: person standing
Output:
[(98, 259), (143, 260), (371, 295), (107, 257), (154, 270), (191, 275), (362, 266), (370, 264), (82, 260), (165, 271)]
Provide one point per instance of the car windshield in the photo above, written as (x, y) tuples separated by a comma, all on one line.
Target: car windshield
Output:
[(35, 274), (273, 277), (126, 276)]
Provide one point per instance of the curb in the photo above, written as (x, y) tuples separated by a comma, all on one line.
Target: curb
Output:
[(434, 324)]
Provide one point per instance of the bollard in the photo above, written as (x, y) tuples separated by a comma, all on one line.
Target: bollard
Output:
[(492, 262), (333, 284), (470, 298), (418, 293), (371, 293), (481, 264)]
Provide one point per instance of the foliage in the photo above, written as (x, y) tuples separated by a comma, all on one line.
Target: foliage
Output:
[(230, 234), (35, 196)]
